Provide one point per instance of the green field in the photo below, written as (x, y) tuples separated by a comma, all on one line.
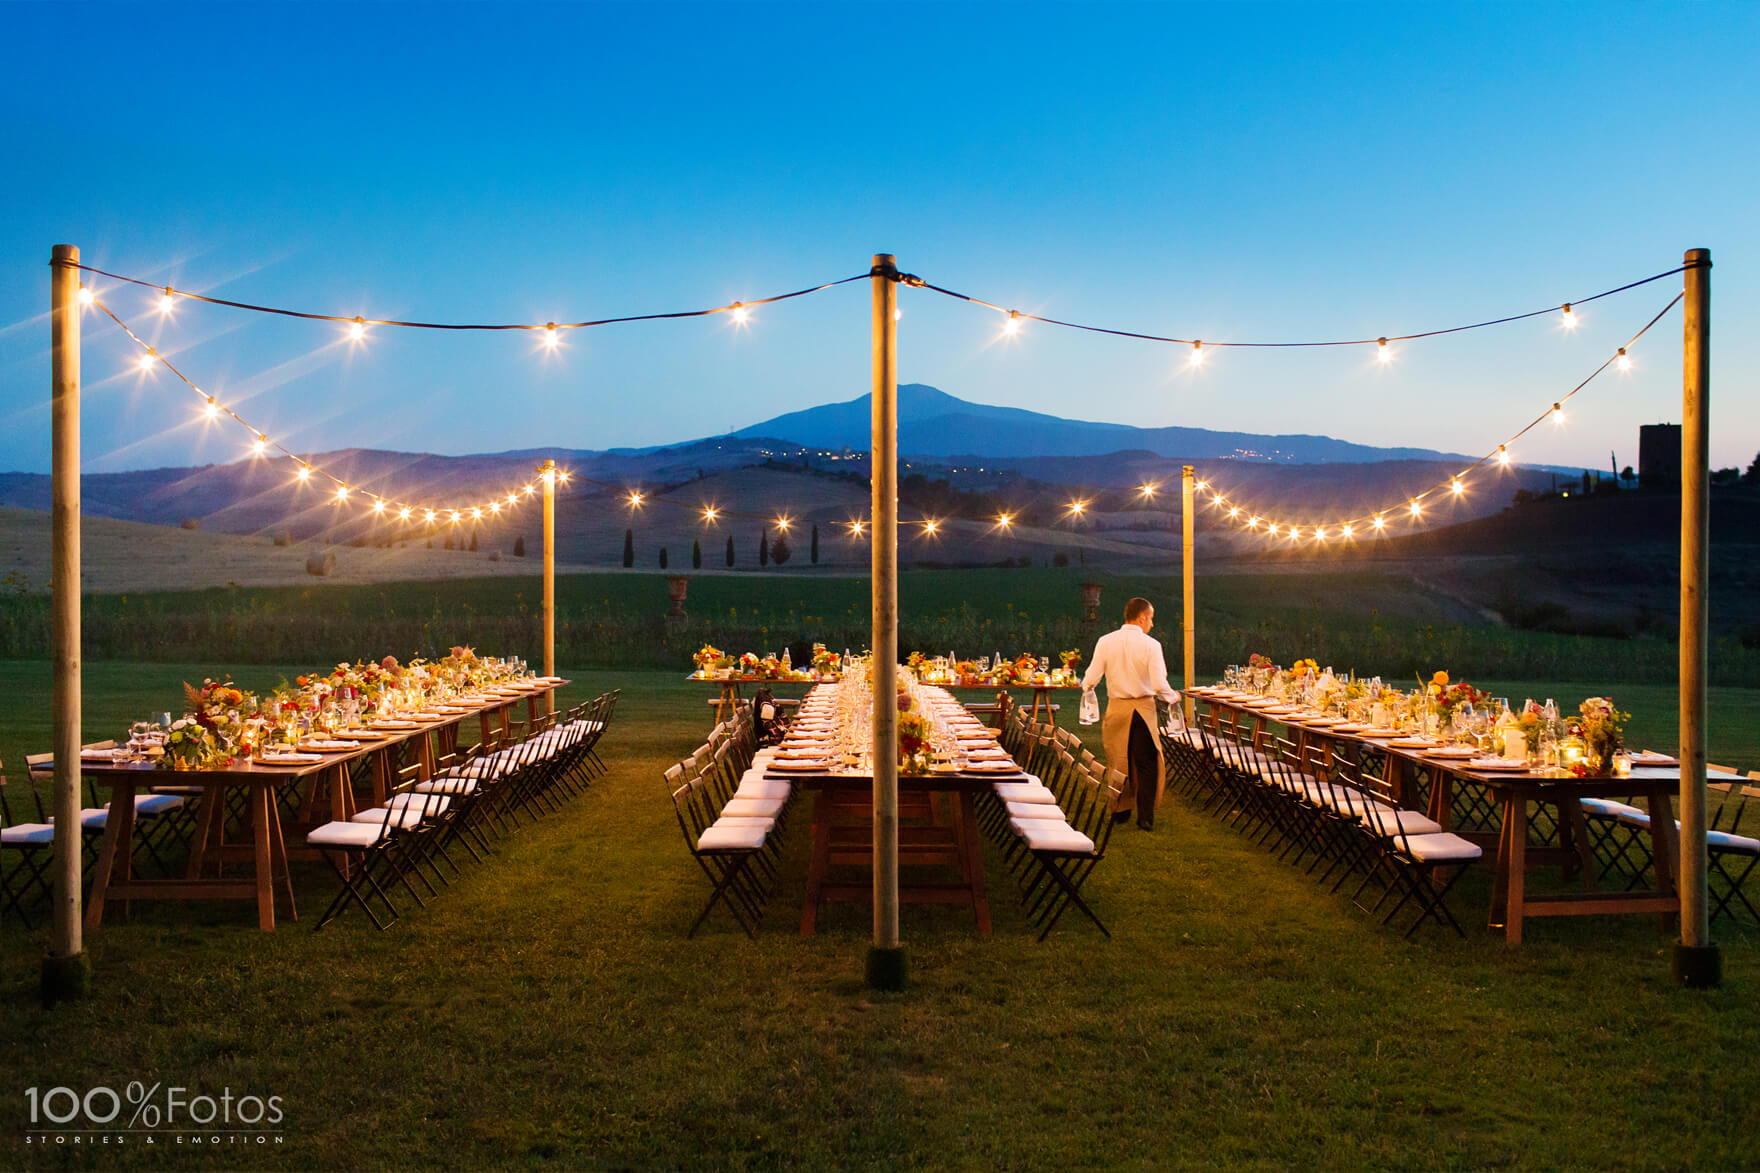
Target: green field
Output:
[(1370, 621), (551, 1011)]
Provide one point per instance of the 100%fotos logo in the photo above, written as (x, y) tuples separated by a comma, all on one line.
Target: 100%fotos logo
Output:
[(146, 1108)]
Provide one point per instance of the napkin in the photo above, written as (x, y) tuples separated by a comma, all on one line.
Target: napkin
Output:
[(96, 755), (1497, 764), (323, 744), (1649, 757), (288, 759)]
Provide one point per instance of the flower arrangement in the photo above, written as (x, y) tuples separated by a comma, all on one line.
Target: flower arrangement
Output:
[(1603, 732), (1532, 723), (1302, 669), (914, 661), (709, 656), (189, 745), (1021, 670), (1256, 662), (825, 661), (1446, 699), (1070, 659), (913, 742), (748, 663)]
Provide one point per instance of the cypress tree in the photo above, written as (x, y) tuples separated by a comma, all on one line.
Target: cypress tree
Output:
[(519, 546), (696, 555), (662, 557), (764, 549), (473, 541), (780, 552), (730, 551), (815, 545), (629, 547)]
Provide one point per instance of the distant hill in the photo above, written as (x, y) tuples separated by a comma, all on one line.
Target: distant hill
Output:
[(933, 423)]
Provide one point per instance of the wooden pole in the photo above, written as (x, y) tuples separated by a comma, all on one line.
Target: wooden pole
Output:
[(547, 473), (1697, 961), (886, 961), (1185, 485), (66, 970)]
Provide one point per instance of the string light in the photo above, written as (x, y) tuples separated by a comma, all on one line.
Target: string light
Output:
[(1076, 507), (1382, 353), (148, 359), (303, 473), (456, 518), (260, 445), (1344, 531), (495, 508), (403, 513), (378, 505), (1216, 500), (1456, 487), (1624, 360), (1004, 520), (211, 408), (86, 296), (1013, 323), (1201, 486), (740, 315), (429, 515), (1558, 414), (1271, 529), (710, 513), (357, 330), (1569, 320), (635, 500), (855, 529), (1503, 455), (1319, 533), (551, 338), (1234, 510), (530, 488), (1253, 522), (476, 515), (1148, 490), (1380, 522), (1197, 358), (1417, 510), (342, 492), (166, 301), (782, 524), (929, 527)]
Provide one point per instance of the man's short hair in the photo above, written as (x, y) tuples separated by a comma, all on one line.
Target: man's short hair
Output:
[(1136, 608)]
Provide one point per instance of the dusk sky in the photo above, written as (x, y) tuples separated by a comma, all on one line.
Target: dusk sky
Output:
[(1223, 171)]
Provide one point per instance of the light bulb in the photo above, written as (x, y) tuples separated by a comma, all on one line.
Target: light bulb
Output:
[(477, 513), (1624, 361), (855, 529), (530, 490), (897, 313), (495, 508), (1558, 414), (1503, 455), (1382, 352), (512, 499), (551, 337), (635, 500), (1272, 529), (1456, 487), (1319, 533), (166, 301), (210, 408), (1379, 521), (403, 514), (1202, 485), (86, 297), (1076, 507), (259, 445), (1570, 319), (1234, 510), (304, 473), (1416, 509), (378, 505), (564, 475), (929, 528), (456, 516), (342, 492), (1147, 490), (1344, 531), (1197, 358), (1216, 500), (740, 314), (1253, 522), (430, 516), (710, 513), (782, 524), (1004, 520), (357, 330), (148, 359), (1295, 533)]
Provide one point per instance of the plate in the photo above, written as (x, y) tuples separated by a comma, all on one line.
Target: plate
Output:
[(292, 759), (810, 766), (1451, 751), (1412, 743), (394, 724), (1498, 765)]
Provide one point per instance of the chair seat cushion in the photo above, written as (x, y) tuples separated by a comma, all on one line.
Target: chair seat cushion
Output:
[(1739, 844), (443, 785), (1024, 792), (1608, 808), (726, 836), (425, 801), (1441, 848), (400, 820), (346, 835), (763, 808), (93, 818), (1393, 821), (759, 788), (28, 835), (156, 804), (1033, 810), (1052, 835)]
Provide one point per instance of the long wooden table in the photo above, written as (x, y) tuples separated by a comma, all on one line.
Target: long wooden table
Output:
[(1513, 792), (267, 853)]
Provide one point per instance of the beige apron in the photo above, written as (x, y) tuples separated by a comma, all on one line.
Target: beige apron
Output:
[(1115, 733)]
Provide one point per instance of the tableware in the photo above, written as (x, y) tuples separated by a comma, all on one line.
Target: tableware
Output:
[(1412, 743), (992, 767), (329, 745), (393, 724), (1506, 765), (801, 766), (291, 759), (1649, 757)]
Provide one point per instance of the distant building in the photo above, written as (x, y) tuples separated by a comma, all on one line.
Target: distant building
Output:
[(1659, 456)]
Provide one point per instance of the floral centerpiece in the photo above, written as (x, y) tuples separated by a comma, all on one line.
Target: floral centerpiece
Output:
[(1020, 670), (1301, 670), (825, 661), (913, 741), (1071, 660), (709, 657), (1446, 699), (1603, 733), (205, 736), (749, 663)]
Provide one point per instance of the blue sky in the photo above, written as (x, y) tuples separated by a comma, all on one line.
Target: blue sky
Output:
[(1219, 171)]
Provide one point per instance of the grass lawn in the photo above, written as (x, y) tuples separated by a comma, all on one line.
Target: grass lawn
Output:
[(550, 1010)]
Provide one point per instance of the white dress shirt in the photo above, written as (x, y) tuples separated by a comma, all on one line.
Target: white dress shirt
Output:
[(1131, 661)]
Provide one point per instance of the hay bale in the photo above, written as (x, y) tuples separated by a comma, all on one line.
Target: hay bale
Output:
[(320, 562), (284, 539), (191, 523)]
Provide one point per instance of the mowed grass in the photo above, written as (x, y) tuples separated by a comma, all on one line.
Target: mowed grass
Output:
[(550, 1011)]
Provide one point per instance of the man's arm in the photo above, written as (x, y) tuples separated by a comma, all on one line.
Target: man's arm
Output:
[(1096, 666), (1158, 676)]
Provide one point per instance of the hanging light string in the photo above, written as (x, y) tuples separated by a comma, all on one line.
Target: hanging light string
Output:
[(169, 294), (1412, 507), (305, 472), (1015, 317)]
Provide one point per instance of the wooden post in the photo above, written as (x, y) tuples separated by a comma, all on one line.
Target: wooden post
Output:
[(1697, 962), (66, 970), (886, 961), (1185, 487), (547, 473)]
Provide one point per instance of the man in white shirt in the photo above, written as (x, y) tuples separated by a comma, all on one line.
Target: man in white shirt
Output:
[(1135, 670)]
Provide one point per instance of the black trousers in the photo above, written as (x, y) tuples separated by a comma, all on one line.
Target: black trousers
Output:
[(1145, 766)]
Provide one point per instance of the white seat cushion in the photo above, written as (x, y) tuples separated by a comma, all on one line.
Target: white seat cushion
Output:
[(1440, 848), (400, 820), (1724, 841), (425, 801), (1024, 792), (763, 808), (28, 835), (1608, 808), (93, 818), (156, 804), (445, 785), (1051, 835), (725, 836), (1033, 810), (759, 788), (1631, 816), (747, 821), (1392, 822), (346, 835)]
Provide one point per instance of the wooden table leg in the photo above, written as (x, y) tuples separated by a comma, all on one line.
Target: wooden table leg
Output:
[(210, 825), (1577, 832), (278, 857), (1518, 867), (384, 771), (483, 718), (1665, 841), (116, 826), (262, 811), (972, 859), (819, 860)]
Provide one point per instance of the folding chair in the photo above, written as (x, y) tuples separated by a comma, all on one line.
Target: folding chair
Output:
[(34, 845)]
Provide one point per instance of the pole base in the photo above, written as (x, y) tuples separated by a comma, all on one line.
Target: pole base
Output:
[(1698, 967), (886, 968), (66, 979)]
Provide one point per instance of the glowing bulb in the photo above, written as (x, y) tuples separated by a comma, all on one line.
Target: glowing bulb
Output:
[(1216, 500), (86, 296), (1013, 324), (210, 408), (1272, 529), (304, 473), (495, 508), (1202, 485), (1570, 319), (1382, 352), (166, 301), (635, 500), (530, 490), (1503, 455), (710, 513), (1004, 520), (1558, 414), (1416, 510), (929, 528), (1234, 510), (897, 313), (564, 475), (477, 513), (782, 524), (551, 337), (1076, 507), (1456, 487), (1253, 522), (342, 492), (456, 516), (1379, 521), (430, 516), (403, 514), (357, 330), (378, 505), (1197, 358), (1344, 531), (512, 500), (740, 314), (148, 359), (855, 529), (1319, 533), (1147, 490), (259, 446), (1295, 533), (1624, 361)]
